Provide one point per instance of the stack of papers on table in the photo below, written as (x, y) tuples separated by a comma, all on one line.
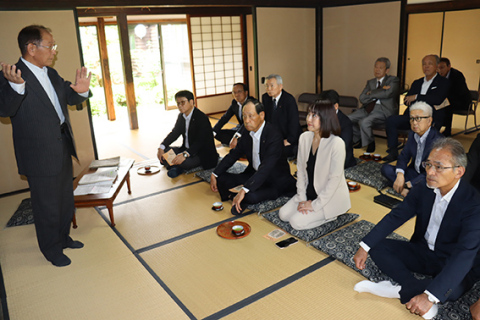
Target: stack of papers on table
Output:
[(98, 182), (112, 162)]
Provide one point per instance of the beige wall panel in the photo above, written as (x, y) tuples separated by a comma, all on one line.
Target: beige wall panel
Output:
[(424, 37), (214, 104), (63, 28), (250, 57), (461, 43), (353, 38), (286, 46)]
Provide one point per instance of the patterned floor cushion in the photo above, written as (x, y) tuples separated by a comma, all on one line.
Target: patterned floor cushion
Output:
[(314, 233), (237, 167), (393, 192), (268, 205), (367, 173), (23, 215), (344, 243)]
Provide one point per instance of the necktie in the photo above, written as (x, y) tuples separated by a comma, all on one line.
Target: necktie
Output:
[(274, 104), (378, 84)]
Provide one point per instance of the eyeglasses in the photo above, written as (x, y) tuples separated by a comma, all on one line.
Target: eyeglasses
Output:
[(436, 167), (51, 48), (417, 119)]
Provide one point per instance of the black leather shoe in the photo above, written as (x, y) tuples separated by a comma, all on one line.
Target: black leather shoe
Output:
[(357, 145), (391, 157), (61, 261), (371, 147), (74, 245)]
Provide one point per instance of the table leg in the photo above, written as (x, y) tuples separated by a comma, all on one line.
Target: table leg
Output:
[(110, 212), (128, 183), (74, 221)]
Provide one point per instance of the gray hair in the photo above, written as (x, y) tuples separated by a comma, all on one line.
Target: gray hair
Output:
[(277, 77), (423, 106), (437, 58), (459, 157), (384, 60)]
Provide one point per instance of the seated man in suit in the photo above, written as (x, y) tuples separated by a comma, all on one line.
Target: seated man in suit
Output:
[(346, 132), (282, 111), (472, 174), (445, 242), (458, 95), (268, 173), (198, 147), (404, 176), (432, 89), (230, 136), (379, 101)]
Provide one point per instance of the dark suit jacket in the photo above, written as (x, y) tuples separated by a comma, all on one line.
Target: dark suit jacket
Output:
[(346, 134), (274, 166), (285, 118), (232, 111), (458, 95), (36, 127), (200, 138), (458, 238), (436, 93), (472, 174), (409, 153)]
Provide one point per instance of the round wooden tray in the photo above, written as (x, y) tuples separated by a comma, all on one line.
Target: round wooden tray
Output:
[(225, 229), (362, 157), (153, 170)]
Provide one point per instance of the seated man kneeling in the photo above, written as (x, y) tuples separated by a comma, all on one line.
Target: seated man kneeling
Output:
[(268, 173), (322, 192), (445, 243), (198, 147), (416, 150)]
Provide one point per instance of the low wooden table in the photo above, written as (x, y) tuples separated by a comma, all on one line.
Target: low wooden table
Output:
[(103, 199)]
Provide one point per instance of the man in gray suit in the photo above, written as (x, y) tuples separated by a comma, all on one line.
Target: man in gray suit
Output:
[(379, 101), (35, 98)]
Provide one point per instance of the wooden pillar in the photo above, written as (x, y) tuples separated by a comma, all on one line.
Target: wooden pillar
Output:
[(107, 81), (127, 70)]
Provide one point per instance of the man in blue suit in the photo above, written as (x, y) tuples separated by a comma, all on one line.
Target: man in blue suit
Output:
[(268, 173), (35, 98), (446, 241), (409, 171), (432, 89)]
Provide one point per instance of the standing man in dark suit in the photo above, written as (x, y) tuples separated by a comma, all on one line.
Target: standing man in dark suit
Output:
[(198, 147), (432, 89), (230, 136), (458, 95), (346, 126), (35, 98), (445, 242), (268, 173), (282, 111), (409, 171), (379, 101)]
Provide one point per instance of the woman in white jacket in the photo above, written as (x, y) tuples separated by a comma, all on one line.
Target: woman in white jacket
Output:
[(322, 192)]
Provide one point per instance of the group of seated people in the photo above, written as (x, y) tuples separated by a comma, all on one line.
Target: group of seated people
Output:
[(431, 169)]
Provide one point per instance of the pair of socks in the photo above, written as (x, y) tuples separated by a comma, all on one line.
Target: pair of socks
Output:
[(387, 290)]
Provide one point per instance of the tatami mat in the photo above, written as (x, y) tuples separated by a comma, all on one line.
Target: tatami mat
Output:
[(154, 219), (209, 273), (326, 293)]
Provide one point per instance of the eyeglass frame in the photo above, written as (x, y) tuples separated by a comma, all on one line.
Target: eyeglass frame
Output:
[(436, 168), (417, 119), (51, 48)]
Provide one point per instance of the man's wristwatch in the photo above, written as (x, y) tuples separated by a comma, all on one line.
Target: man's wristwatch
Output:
[(185, 154)]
